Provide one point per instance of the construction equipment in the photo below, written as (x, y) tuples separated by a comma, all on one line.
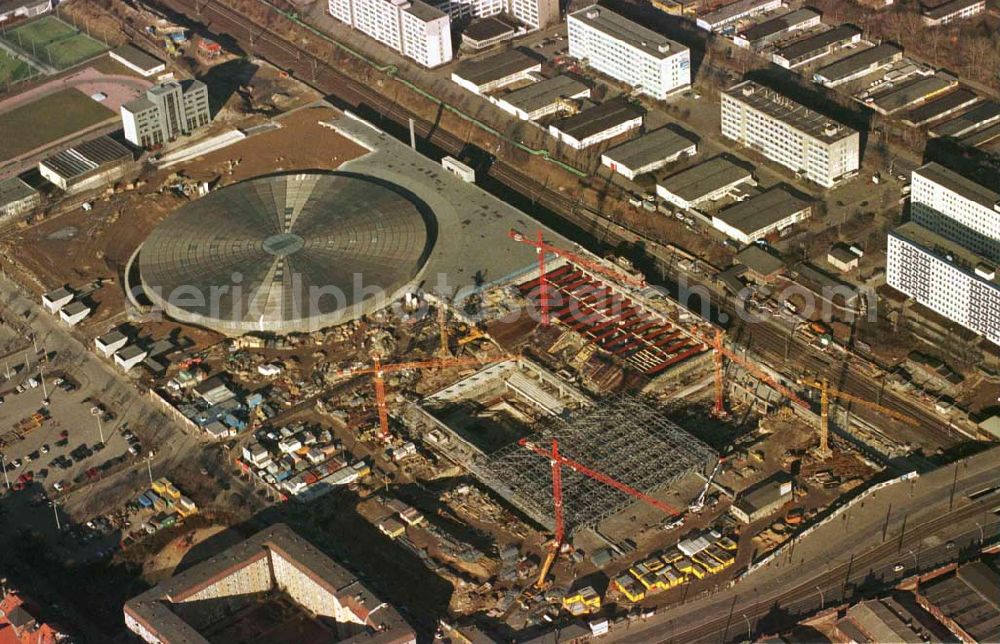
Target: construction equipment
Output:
[(718, 344), (699, 503), (558, 461), (542, 247), (378, 371), (824, 416)]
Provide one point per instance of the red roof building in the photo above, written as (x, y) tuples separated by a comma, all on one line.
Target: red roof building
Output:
[(18, 624)]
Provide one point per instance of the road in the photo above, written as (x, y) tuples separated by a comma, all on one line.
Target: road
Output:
[(908, 523)]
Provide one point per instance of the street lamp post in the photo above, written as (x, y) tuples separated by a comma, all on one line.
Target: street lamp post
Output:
[(55, 511), (149, 467), (41, 377), (982, 533), (3, 466), (749, 633), (822, 598)]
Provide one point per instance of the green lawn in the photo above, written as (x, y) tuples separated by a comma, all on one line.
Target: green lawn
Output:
[(49, 118), (13, 70), (55, 42)]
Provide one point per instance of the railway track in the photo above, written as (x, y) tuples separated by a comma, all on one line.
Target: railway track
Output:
[(840, 575)]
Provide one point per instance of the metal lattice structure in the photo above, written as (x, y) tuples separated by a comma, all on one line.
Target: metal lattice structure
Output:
[(624, 437)]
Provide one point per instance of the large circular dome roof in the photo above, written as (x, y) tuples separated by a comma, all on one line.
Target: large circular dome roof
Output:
[(287, 253)]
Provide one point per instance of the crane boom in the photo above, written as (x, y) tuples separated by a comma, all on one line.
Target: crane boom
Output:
[(560, 526), (603, 478), (597, 267), (836, 393), (757, 372)]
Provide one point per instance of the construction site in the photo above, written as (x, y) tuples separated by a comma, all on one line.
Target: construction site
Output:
[(533, 425), (577, 444)]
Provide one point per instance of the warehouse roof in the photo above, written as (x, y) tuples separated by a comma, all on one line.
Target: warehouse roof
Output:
[(488, 28), (663, 143), (621, 28), (980, 115), (778, 25), (732, 10), (969, 598), (86, 157), (762, 211), (939, 107), (13, 5), (913, 91), (759, 260), (13, 189), (493, 68), (761, 495), (544, 93), (137, 57), (808, 45), (879, 623), (955, 182), (599, 118), (705, 178), (856, 62), (787, 111)]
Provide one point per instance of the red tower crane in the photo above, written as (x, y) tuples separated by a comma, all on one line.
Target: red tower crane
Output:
[(541, 247), (378, 371), (558, 460)]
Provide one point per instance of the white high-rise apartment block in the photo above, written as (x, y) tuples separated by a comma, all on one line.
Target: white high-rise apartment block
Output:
[(536, 14), (411, 27), (426, 34), (628, 52), (956, 208), (816, 147), (946, 256), (459, 9), (946, 278)]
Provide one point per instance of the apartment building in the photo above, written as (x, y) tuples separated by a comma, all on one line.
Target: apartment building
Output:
[(945, 277), (167, 111), (536, 14), (276, 567), (814, 146), (628, 52), (956, 208), (413, 28)]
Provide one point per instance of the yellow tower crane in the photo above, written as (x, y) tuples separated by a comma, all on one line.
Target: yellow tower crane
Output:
[(824, 424)]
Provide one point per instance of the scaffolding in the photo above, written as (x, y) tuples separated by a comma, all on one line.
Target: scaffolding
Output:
[(624, 437)]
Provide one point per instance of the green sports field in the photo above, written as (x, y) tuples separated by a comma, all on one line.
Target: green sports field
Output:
[(48, 119), (52, 41), (13, 70)]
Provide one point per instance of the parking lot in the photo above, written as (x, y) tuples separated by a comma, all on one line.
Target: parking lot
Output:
[(62, 444)]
